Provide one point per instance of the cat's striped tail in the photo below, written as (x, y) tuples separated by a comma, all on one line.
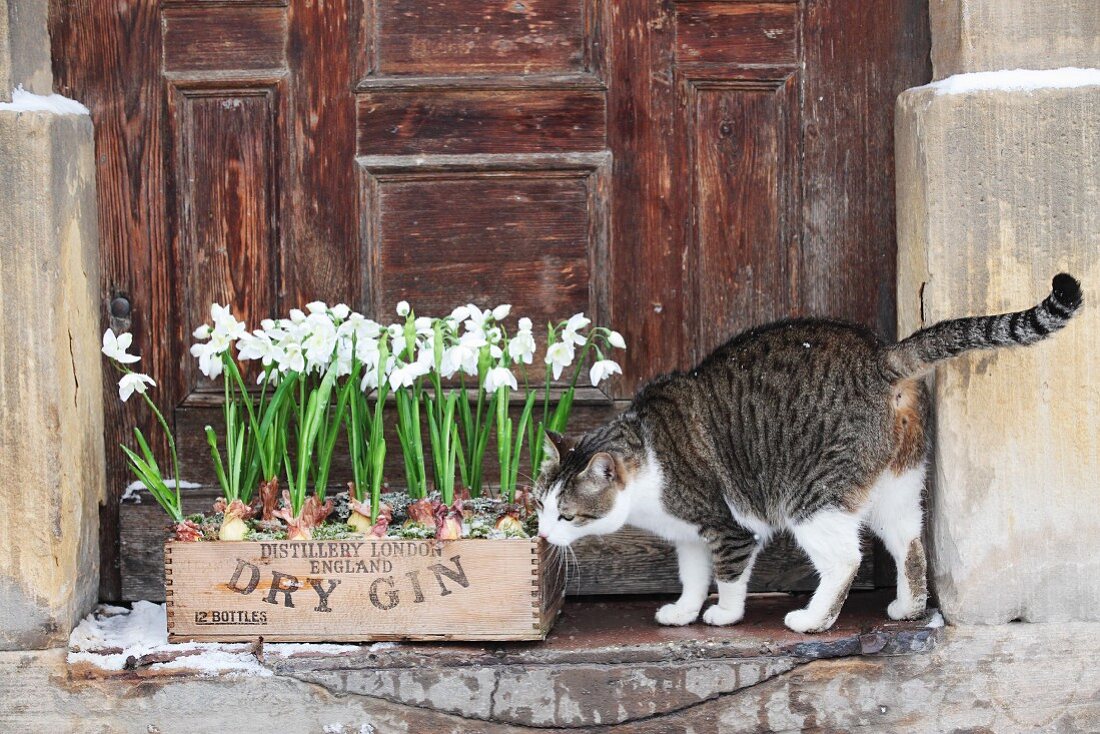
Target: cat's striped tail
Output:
[(920, 352)]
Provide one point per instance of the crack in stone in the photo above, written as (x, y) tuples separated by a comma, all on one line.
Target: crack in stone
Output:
[(72, 359), (594, 728)]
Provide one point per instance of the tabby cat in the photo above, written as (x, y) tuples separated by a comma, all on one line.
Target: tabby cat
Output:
[(811, 426)]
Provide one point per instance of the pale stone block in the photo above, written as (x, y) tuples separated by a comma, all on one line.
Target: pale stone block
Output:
[(24, 47), (998, 191), (51, 433), (987, 35)]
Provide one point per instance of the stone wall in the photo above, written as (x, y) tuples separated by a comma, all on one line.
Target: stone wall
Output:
[(51, 432), (986, 35), (998, 183)]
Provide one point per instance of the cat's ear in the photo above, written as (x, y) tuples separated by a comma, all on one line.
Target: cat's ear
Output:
[(554, 446), (602, 468)]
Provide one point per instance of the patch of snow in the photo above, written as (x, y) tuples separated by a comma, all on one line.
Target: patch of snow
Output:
[(132, 492), (110, 635), (1017, 80), (24, 101), (286, 649), (936, 621), (383, 646)]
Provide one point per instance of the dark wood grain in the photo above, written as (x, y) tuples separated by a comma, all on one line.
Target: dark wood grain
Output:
[(649, 210), (521, 239), (320, 259), (736, 33), (226, 172), (745, 144), (858, 58), (478, 36), (108, 55), (519, 121), (224, 38)]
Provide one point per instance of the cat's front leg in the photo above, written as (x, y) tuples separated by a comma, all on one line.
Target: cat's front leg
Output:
[(734, 551), (693, 558)]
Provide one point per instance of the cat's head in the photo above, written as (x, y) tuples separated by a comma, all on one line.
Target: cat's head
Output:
[(580, 489)]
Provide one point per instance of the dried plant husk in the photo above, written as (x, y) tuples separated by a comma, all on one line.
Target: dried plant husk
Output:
[(267, 496), (360, 519), (234, 517), (188, 531), (509, 521), (312, 515), (448, 521), (525, 500), (421, 512)]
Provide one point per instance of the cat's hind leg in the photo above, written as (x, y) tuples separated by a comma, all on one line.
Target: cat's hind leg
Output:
[(693, 558), (733, 552), (894, 515), (830, 538)]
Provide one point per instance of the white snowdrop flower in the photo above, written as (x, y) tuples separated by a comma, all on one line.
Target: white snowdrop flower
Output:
[(115, 347), (406, 375), (292, 359), (494, 334), (321, 342), (367, 351), (463, 355), (316, 307), (501, 312), (559, 356), (209, 353), (225, 322), (133, 382), (423, 326), (602, 369), (477, 320), (341, 311), (202, 333), (345, 352), (403, 308), (460, 314), (575, 323), (499, 377), (616, 340), (297, 316), (521, 348), (267, 324), (272, 378), (258, 346)]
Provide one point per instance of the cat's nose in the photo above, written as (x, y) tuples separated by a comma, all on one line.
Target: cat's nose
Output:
[(542, 534)]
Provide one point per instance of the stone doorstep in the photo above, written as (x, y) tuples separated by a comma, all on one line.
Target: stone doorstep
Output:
[(607, 632), (607, 662)]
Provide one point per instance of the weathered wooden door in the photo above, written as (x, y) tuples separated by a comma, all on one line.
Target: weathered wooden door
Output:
[(679, 168)]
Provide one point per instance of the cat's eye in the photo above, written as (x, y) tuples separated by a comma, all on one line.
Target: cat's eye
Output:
[(566, 518)]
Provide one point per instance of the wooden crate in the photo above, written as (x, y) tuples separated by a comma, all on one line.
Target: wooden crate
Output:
[(361, 590)]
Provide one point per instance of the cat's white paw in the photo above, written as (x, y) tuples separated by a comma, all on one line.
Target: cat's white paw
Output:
[(803, 620), (904, 609), (675, 615), (720, 616)]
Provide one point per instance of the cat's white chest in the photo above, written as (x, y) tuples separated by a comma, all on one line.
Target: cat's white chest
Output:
[(648, 512)]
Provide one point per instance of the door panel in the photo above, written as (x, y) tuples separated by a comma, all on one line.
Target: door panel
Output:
[(443, 37), (679, 169), (226, 238), (445, 121), (745, 165)]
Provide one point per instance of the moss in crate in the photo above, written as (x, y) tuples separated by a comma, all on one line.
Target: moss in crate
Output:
[(333, 531)]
